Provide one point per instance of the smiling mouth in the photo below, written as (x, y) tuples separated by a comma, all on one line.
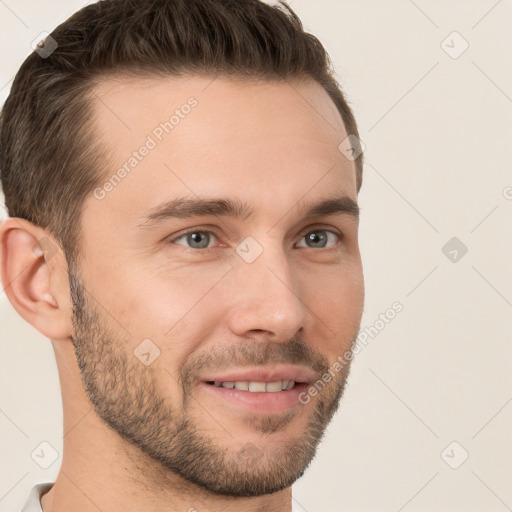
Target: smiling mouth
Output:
[(256, 386), (259, 390)]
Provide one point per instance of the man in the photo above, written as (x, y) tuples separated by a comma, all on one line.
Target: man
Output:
[(181, 180)]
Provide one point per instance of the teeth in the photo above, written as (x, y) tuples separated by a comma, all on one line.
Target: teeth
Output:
[(257, 387), (272, 387)]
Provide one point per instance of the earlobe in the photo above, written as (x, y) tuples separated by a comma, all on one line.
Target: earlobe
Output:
[(30, 268)]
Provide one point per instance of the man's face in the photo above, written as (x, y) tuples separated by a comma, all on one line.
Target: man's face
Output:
[(168, 307)]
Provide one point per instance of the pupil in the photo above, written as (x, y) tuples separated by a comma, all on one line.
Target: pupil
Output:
[(196, 239), (315, 238)]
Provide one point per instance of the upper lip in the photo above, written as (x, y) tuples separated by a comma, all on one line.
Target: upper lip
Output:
[(299, 374)]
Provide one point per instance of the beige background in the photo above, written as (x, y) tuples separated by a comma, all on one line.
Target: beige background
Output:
[(438, 134)]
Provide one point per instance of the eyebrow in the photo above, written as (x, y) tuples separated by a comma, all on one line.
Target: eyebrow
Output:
[(182, 208)]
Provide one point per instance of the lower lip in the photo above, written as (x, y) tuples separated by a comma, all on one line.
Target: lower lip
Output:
[(263, 402)]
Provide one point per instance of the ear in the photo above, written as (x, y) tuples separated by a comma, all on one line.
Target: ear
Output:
[(34, 277)]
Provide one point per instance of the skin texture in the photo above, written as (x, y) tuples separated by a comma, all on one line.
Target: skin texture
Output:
[(149, 437)]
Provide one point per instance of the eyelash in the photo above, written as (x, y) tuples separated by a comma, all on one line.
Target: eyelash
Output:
[(183, 235)]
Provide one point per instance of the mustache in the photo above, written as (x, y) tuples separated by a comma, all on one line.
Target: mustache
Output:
[(249, 353)]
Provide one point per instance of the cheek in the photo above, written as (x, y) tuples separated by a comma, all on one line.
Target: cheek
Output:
[(336, 299), (175, 309), (161, 302)]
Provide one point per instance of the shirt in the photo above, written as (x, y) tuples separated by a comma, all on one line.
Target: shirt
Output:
[(33, 503)]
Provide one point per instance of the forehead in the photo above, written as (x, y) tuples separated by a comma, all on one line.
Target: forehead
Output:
[(131, 100), (201, 135)]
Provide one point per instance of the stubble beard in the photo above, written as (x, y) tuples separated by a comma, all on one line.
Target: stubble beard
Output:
[(127, 396)]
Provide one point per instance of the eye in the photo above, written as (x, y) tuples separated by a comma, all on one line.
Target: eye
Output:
[(319, 238), (197, 239), (201, 239)]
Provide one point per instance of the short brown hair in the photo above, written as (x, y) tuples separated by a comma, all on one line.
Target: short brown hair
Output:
[(49, 158)]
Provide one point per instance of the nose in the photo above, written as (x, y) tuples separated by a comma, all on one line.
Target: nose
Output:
[(265, 299)]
